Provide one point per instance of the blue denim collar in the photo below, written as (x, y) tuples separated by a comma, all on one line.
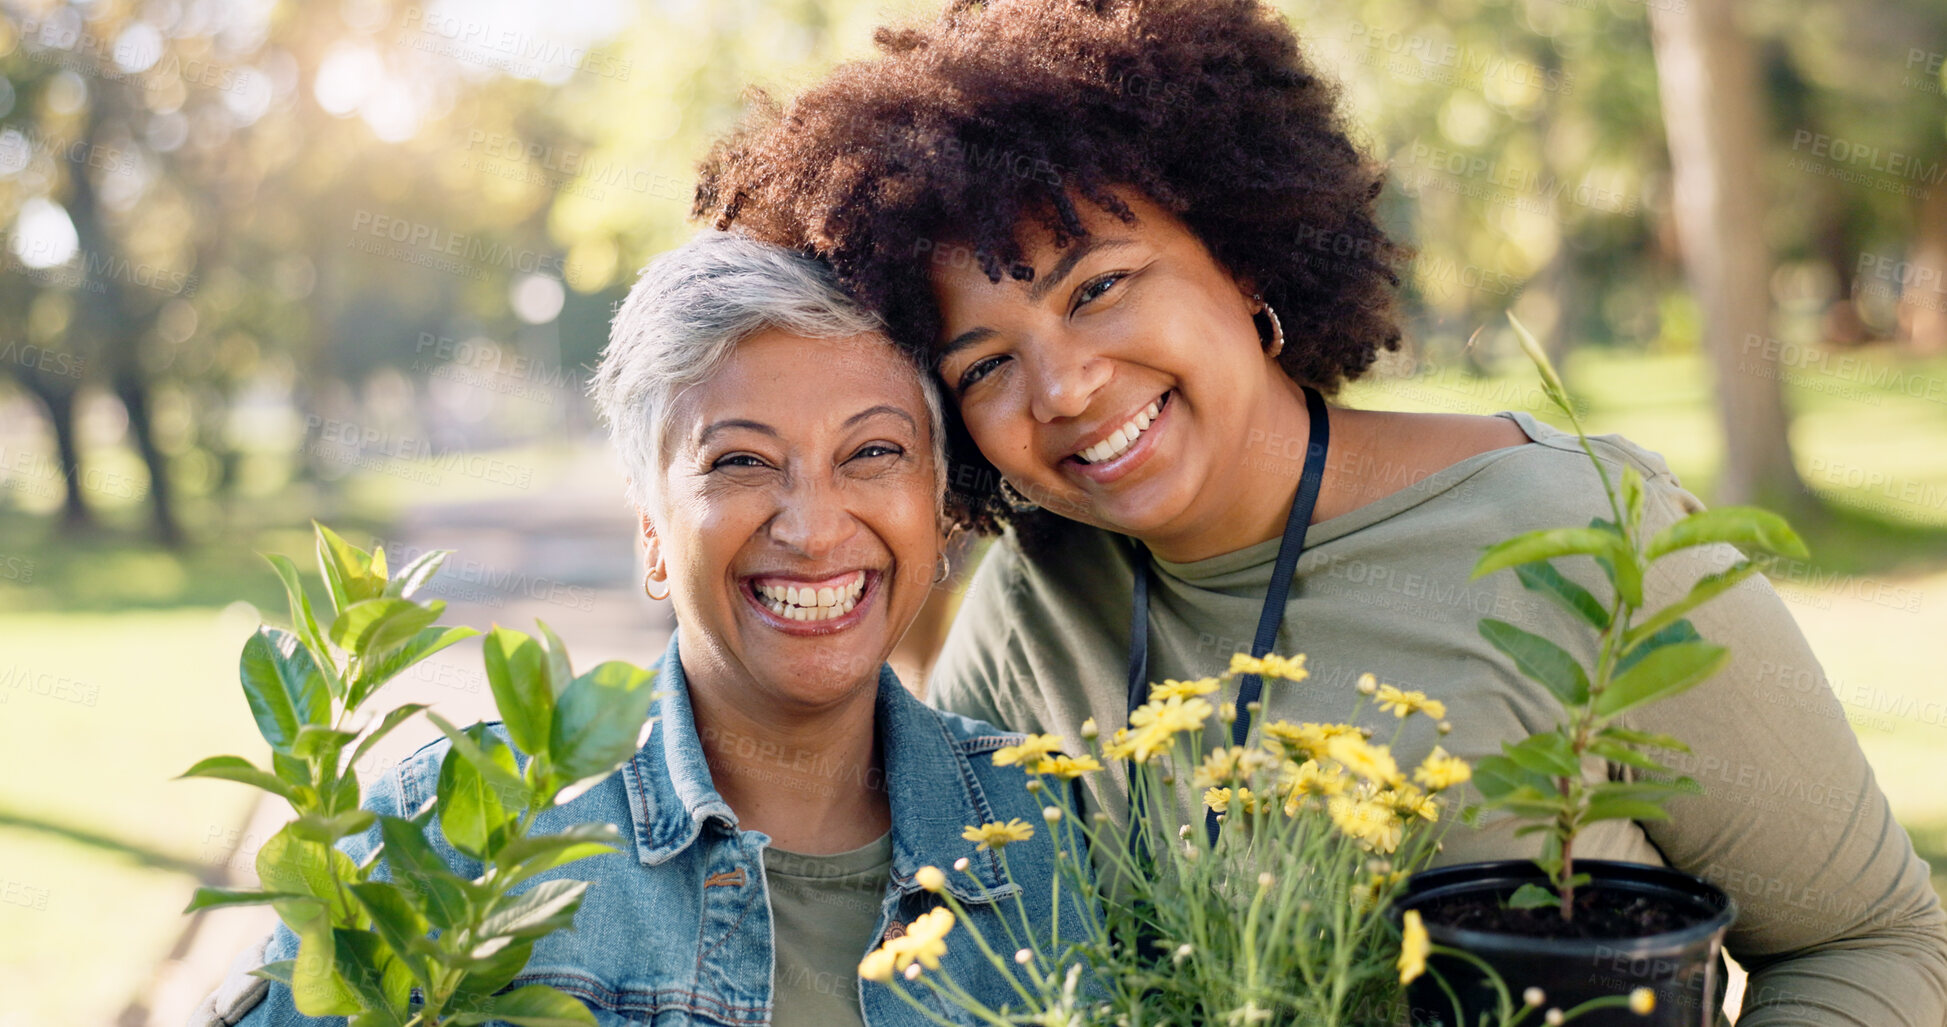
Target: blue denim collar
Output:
[(933, 793)]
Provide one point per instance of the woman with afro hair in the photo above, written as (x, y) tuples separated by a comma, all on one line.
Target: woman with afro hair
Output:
[(1136, 244)]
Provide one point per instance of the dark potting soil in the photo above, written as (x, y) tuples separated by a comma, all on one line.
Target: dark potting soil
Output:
[(1598, 914)]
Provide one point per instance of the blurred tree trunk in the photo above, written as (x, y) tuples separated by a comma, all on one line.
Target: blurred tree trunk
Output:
[(59, 401), (117, 321), (1707, 77), (1923, 300)]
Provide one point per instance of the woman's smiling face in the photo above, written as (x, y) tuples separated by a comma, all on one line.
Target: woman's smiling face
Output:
[(1116, 387), (798, 520)]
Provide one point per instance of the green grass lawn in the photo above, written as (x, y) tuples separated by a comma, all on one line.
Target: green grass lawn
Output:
[(153, 639)]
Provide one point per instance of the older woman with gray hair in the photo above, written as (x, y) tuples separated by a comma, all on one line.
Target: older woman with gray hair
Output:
[(785, 459)]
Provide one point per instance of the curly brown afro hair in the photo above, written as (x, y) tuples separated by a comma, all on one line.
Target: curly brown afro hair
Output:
[(1009, 114)]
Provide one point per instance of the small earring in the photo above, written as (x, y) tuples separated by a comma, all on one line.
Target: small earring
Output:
[(651, 594), (1015, 501), (945, 571), (1277, 329)]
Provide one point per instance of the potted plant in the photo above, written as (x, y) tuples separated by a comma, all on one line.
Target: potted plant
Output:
[(397, 939), (1570, 931)]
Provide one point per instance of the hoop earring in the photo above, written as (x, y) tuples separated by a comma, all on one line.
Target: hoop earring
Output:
[(945, 571), (646, 591), (1015, 501), (1276, 345)]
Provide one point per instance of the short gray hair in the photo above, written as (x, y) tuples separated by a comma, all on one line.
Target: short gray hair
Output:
[(689, 309)]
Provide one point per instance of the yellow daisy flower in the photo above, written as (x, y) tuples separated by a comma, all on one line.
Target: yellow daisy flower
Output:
[(1230, 765), (1217, 799), (998, 835), (1270, 665), (1372, 824), (1409, 801), (1068, 768), (1030, 749), (1364, 759), (877, 965), (1171, 688), (1141, 746), (924, 941), (1440, 771), (1172, 716), (1400, 703), (1414, 947), (1310, 778), (1307, 740)]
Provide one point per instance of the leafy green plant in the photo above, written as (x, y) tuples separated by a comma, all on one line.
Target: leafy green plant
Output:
[(1642, 656), (368, 942)]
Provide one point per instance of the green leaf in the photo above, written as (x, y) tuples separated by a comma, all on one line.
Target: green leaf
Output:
[(485, 976), (1543, 578), (557, 654), (1632, 496), (1663, 673), (322, 743), (1551, 383), (347, 569), (599, 720), (518, 672), (1747, 527), (534, 1005), (522, 858), (316, 827), (540, 910), (1548, 544), (373, 626), (373, 673), (472, 813), (1548, 753), (391, 720), (317, 988), (283, 687), (1533, 896), (1499, 778), (1540, 659), (1708, 587), (1623, 567), (279, 971), (414, 575), (394, 918), (1617, 752), (292, 864), (365, 964), (1649, 738), (1623, 809), (418, 869), (1670, 634), (212, 898), (236, 768), (506, 783), (292, 769), (305, 622)]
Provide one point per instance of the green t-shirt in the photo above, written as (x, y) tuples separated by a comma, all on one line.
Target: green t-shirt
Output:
[(1836, 917), (825, 910)]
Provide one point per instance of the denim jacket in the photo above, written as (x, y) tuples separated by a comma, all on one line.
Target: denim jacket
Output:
[(677, 930)]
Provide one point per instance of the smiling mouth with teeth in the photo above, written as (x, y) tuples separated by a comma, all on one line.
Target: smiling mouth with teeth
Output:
[(806, 603), (1124, 437)]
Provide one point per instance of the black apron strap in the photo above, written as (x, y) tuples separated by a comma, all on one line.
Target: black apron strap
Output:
[(1249, 686)]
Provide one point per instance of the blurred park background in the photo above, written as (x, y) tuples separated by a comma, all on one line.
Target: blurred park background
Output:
[(264, 261)]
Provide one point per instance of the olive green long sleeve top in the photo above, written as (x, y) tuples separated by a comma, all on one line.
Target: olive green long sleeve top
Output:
[(1836, 923)]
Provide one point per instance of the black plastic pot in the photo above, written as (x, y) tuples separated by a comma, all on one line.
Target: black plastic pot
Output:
[(1684, 967)]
